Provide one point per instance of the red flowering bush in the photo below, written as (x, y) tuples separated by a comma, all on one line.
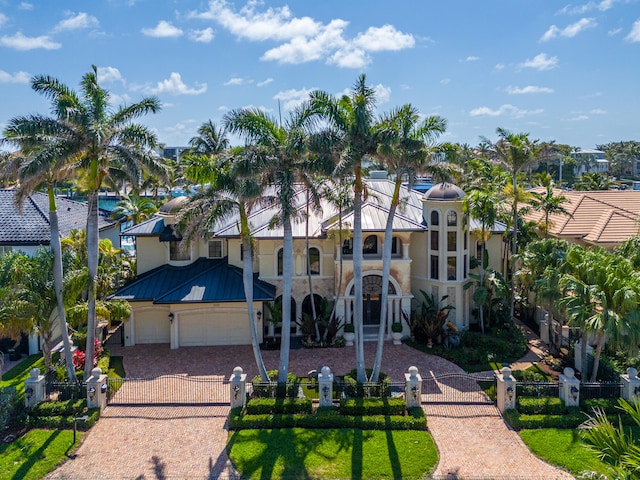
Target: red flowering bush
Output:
[(79, 356)]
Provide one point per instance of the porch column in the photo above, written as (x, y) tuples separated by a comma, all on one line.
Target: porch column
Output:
[(174, 330), (131, 340)]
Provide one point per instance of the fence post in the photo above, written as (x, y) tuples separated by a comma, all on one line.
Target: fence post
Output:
[(569, 388), (238, 385), (34, 388), (97, 389), (630, 385), (325, 383), (413, 388), (506, 390)]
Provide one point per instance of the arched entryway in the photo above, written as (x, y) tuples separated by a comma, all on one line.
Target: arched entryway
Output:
[(371, 292)]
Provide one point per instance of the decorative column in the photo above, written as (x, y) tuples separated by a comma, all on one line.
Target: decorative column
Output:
[(174, 332), (577, 355), (325, 384), (569, 388), (97, 389), (506, 390), (544, 329), (238, 385), (34, 388), (630, 385), (413, 388)]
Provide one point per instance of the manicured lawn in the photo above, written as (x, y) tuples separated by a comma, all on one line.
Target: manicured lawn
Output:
[(35, 454), (19, 373), (345, 453), (564, 448)]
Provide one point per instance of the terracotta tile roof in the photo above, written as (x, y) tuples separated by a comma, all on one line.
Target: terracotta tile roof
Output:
[(31, 226), (604, 218)]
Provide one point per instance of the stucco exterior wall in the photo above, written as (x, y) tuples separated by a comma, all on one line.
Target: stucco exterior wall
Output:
[(150, 253)]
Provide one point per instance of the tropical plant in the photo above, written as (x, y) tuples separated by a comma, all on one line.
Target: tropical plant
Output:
[(231, 190), (98, 141), (210, 141), (429, 318), (281, 154), (349, 137), (594, 181), (133, 209), (548, 202)]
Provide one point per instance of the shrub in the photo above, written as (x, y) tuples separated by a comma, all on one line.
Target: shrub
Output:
[(264, 390), (528, 376), (8, 402), (258, 406), (372, 406), (66, 407), (572, 419), (62, 421), (80, 340), (541, 405), (353, 388)]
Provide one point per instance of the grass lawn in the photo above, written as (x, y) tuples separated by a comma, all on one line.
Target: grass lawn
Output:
[(564, 448), (19, 373), (337, 453), (35, 454)]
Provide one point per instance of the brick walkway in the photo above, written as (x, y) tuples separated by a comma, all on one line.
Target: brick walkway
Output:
[(188, 442)]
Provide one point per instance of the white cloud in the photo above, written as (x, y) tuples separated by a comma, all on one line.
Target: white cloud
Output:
[(614, 31), (21, 42), (237, 81), (164, 29), (175, 86), (569, 31), (25, 6), (602, 6), (383, 94), (384, 38), (202, 36), (223, 108), (303, 38), (504, 110), (578, 118), (292, 98), (265, 82), (541, 62), (18, 77), (528, 89), (109, 74), (76, 22), (471, 58), (445, 81), (3, 19), (598, 111), (634, 34), (499, 67)]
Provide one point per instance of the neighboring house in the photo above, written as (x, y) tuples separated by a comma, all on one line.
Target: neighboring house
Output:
[(28, 230), (590, 161), (195, 296), (605, 217)]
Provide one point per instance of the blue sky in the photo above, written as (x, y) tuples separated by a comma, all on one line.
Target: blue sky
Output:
[(560, 71)]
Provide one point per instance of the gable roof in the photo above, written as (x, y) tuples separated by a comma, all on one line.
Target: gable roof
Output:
[(203, 281), (602, 217), (32, 226)]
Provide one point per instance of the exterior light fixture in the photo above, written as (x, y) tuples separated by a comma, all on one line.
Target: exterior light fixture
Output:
[(574, 393), (259, 315), (510, 393), (92, 392), (171, 315)]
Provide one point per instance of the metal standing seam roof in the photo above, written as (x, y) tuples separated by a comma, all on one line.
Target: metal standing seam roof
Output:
[(204, 281), (32, 227)]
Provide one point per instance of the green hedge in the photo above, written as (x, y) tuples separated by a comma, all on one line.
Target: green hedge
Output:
[(541, 405), (63, 421), (355, 389), (259, 406), (372, 406), (64, 408), (264, 390), (572, 419)]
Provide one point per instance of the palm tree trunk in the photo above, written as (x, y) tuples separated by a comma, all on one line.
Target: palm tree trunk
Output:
[(92, 264), (309, 279), (583, 355), (482, 274), (340, 268), (247, 280), (287, 280), (46, 349), (596, 356), (57, 281), (514, 248), (358, 319), (386, 269)]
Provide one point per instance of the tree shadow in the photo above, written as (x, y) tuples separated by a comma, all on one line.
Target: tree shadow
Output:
[(159, 468), (35, 457), (394, 458)]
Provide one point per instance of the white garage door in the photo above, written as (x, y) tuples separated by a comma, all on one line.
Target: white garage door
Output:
[(152, 326), (215, 327)]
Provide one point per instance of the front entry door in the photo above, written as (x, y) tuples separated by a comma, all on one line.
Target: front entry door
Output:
[(371, 290)]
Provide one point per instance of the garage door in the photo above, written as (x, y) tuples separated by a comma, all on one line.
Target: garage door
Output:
[(217, 327), (152, 326)]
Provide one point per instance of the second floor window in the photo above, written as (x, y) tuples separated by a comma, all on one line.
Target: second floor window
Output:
[(314, 261), (178, 254), (370, 245), (279, 270)]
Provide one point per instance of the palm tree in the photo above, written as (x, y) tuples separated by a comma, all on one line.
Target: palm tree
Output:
[(516, 151), (594, 181), (348, 138), (210, 140), (231, 190), (280, 152), (134, 209), (100, 142), (405, 146), (37, 164), (548, 202)]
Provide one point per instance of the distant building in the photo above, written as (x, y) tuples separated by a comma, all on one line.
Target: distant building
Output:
[(173, 152), (590, 161)]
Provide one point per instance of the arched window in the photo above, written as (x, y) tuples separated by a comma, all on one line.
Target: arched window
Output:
[(314, 261), (396, 246), (347, 247), (370, 245), (452, 218), (280, 262), (435, 218)]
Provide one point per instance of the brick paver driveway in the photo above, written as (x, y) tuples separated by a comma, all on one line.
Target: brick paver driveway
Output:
[(188, 442)]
